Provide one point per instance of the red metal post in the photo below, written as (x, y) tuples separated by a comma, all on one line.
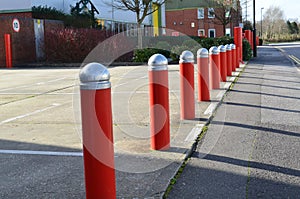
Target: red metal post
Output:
[(251, 39), (233, 58), (97, 132), (248, 37), (237, 57), (229, 59), (187, 88), (257, 40), (203, 75), (159, 102), (238, 41), (8, 50), (214, 68), (223, 62)]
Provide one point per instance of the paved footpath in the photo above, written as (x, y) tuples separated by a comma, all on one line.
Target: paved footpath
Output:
[(252, 147)]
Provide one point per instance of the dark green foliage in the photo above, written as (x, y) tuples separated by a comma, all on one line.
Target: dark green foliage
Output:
[(261, 41), (172, 47), (224, 40), (142, 55), (47, 13), (289, 25), (248, 25), (76, 21), (247, 51), (293, 27)]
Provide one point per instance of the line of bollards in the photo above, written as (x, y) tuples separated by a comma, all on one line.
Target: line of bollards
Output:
[(213, 66)]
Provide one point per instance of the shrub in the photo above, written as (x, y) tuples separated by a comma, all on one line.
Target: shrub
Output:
[(224, 40), (75, 21), (163, 45), (177, 50), (143, 55), (247, 51), (71, 45), (208, 43)]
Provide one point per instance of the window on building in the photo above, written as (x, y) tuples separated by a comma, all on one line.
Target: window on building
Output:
[(211, 33), (211, 13), (228, 32), (200, 13), (201, 32)]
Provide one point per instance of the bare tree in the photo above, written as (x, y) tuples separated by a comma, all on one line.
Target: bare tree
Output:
[(274, 21), (141, 8), (224, 11)]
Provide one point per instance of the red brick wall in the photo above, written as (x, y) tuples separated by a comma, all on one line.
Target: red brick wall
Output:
[(23, 42), (181, 20), (17, 14)]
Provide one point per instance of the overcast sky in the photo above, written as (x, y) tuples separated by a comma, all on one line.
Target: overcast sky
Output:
[(290, 8)]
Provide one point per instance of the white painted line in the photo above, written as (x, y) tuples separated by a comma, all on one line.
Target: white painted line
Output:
[(116, 86), (210, 109), (31, 85), (37, 93), (140, 92), (227, 85), (192, 136), (231, 79), (220, 95), (48, 153), (29, 114)]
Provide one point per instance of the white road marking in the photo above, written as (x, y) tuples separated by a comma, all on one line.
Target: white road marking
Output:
[(122, 84), (227, 85), (220, 95), (210, 109), (192, 136), (29, 114), (48, 153), (30, 85), (25, 93)]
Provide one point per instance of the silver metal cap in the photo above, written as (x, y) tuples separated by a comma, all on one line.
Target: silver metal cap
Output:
[(228, 47), (202, 52), (214, 50), (222, 49), (157, 62), (186, 57), (233, 46), (94, 76)]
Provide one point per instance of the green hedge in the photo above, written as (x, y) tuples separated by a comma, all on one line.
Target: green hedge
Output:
[(172, 47), (247, 51)]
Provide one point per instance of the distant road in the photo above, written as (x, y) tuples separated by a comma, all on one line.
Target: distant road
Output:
[(292, 50)]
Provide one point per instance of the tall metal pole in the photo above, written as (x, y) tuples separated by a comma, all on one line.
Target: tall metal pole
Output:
[(254, 32), (261, 23)]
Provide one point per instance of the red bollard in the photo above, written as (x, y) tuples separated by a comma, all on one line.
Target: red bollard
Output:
[(223, 62), (257, 41), (97, 132), (238, 41), (187, 93), (203, 75), (214, 68), (237, 64), (251, 39), (248, 37), (233, 58), (8, 51), (229, 59), (159, 102)]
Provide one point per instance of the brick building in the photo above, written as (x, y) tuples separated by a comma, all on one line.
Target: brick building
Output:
[(200, 18)]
